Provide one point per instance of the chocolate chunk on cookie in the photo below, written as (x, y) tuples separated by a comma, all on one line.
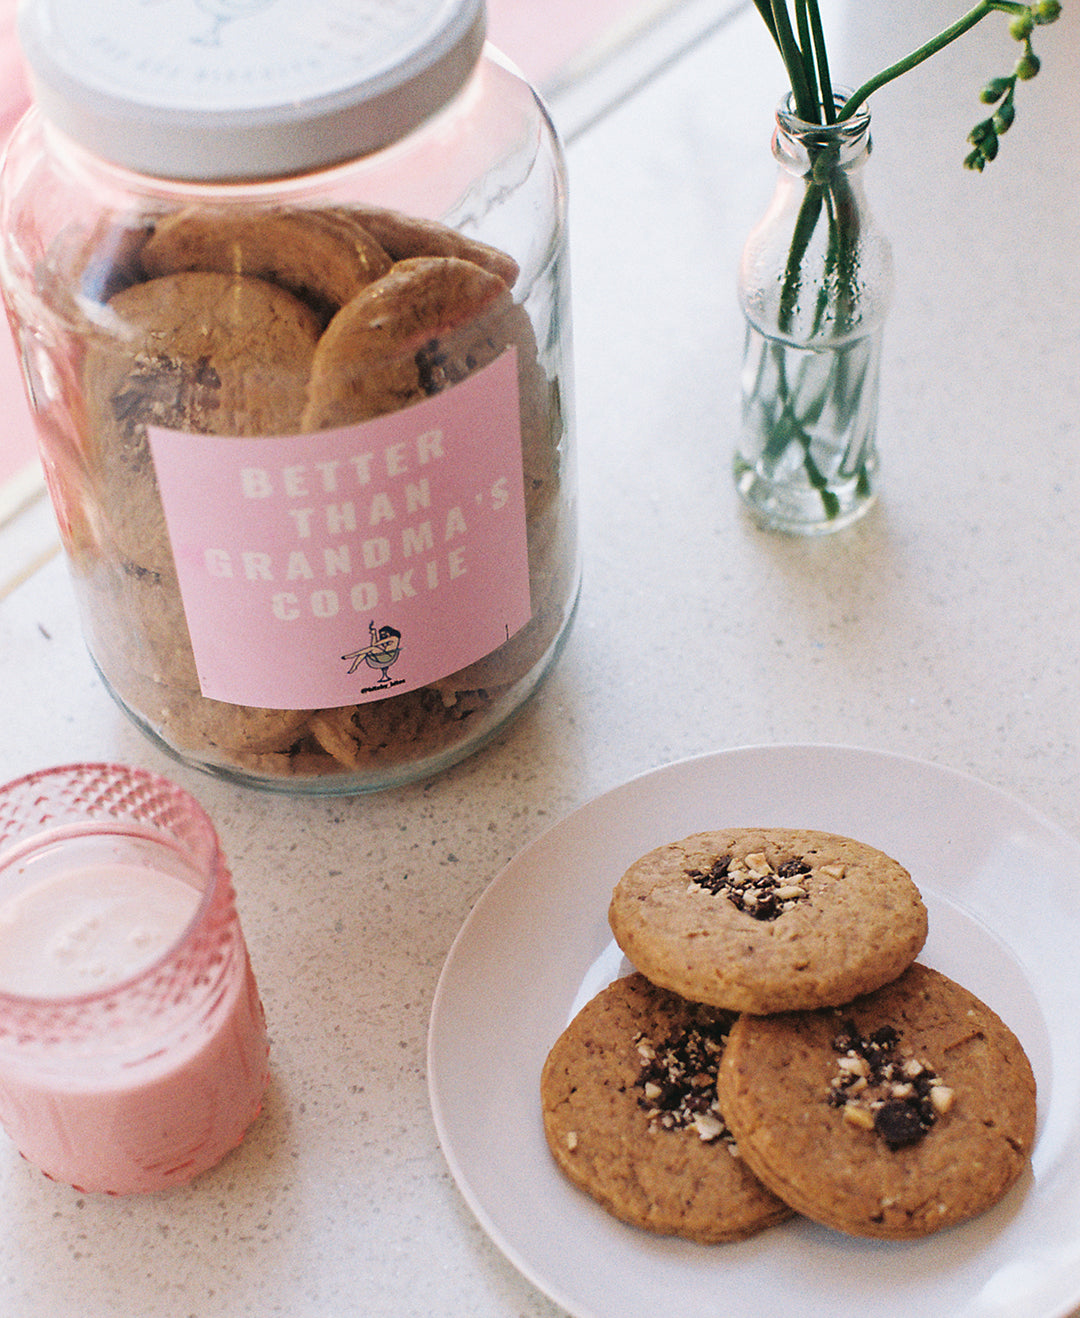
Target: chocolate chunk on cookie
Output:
[(203, 352), (766, 920), (908, 1110), (630, 1115)]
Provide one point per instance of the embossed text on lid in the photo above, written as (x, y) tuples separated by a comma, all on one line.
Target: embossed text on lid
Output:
[(222, 89)]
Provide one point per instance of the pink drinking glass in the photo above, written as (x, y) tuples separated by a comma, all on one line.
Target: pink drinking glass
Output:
[(148, 1080)]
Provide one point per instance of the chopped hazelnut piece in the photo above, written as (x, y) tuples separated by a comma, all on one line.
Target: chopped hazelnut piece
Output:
[(941, 1098), (709, 1127), (858, 1116)]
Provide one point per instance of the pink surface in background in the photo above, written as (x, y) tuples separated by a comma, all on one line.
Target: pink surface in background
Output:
[(17, 448), (540, 36)]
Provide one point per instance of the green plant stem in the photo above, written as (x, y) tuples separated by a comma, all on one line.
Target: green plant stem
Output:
[(805, 224), (943, 39), (791, 427), (828, 103), (806, 50), (806, 103), (764, 8), (833, 195)]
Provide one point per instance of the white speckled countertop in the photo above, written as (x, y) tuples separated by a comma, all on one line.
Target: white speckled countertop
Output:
[(944, 626)]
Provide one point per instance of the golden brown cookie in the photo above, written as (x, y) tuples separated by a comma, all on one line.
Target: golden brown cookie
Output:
[(202, 352), (906, 1111), (323, 260), (197, 723), (418, 329), (404, 236), (382, 733), (136, 623), (86, 269), (770, 919), (628, 1097)]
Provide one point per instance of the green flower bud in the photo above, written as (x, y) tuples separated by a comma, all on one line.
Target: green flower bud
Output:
[(1004, 118), (1046, 11), (1027, 66), (983, 137), (1022, 26), (976, 160), (995, 89)]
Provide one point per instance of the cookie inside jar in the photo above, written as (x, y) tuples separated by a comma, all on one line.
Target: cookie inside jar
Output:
[(310, 323)]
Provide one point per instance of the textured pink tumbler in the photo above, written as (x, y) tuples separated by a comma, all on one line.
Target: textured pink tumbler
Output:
[(133, 1048)]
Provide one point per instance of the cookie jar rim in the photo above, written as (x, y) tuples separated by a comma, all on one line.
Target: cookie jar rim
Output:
[(313, 110)]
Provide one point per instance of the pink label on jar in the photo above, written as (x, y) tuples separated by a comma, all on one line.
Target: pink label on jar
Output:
[(355, 563)]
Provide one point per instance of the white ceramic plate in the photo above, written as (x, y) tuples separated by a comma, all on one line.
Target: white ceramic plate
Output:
[(1002, 886)]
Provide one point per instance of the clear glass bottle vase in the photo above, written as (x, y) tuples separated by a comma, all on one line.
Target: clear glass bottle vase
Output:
[(815, 281)]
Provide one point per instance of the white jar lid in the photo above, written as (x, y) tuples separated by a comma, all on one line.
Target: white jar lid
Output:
[(243, 89)]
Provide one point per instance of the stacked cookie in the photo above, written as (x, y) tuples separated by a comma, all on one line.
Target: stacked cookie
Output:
[(778, 1050)]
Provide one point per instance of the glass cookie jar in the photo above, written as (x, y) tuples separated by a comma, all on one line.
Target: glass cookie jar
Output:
[(288, 280)]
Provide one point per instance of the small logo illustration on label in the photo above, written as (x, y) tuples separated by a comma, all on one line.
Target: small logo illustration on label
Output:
[(381, 655)]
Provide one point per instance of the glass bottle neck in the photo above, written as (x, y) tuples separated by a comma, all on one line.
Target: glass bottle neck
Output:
[(805, 149)]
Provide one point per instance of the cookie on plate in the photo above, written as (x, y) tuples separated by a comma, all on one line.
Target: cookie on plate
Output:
[(629, 1106), (768, 919), (905, 1111)]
